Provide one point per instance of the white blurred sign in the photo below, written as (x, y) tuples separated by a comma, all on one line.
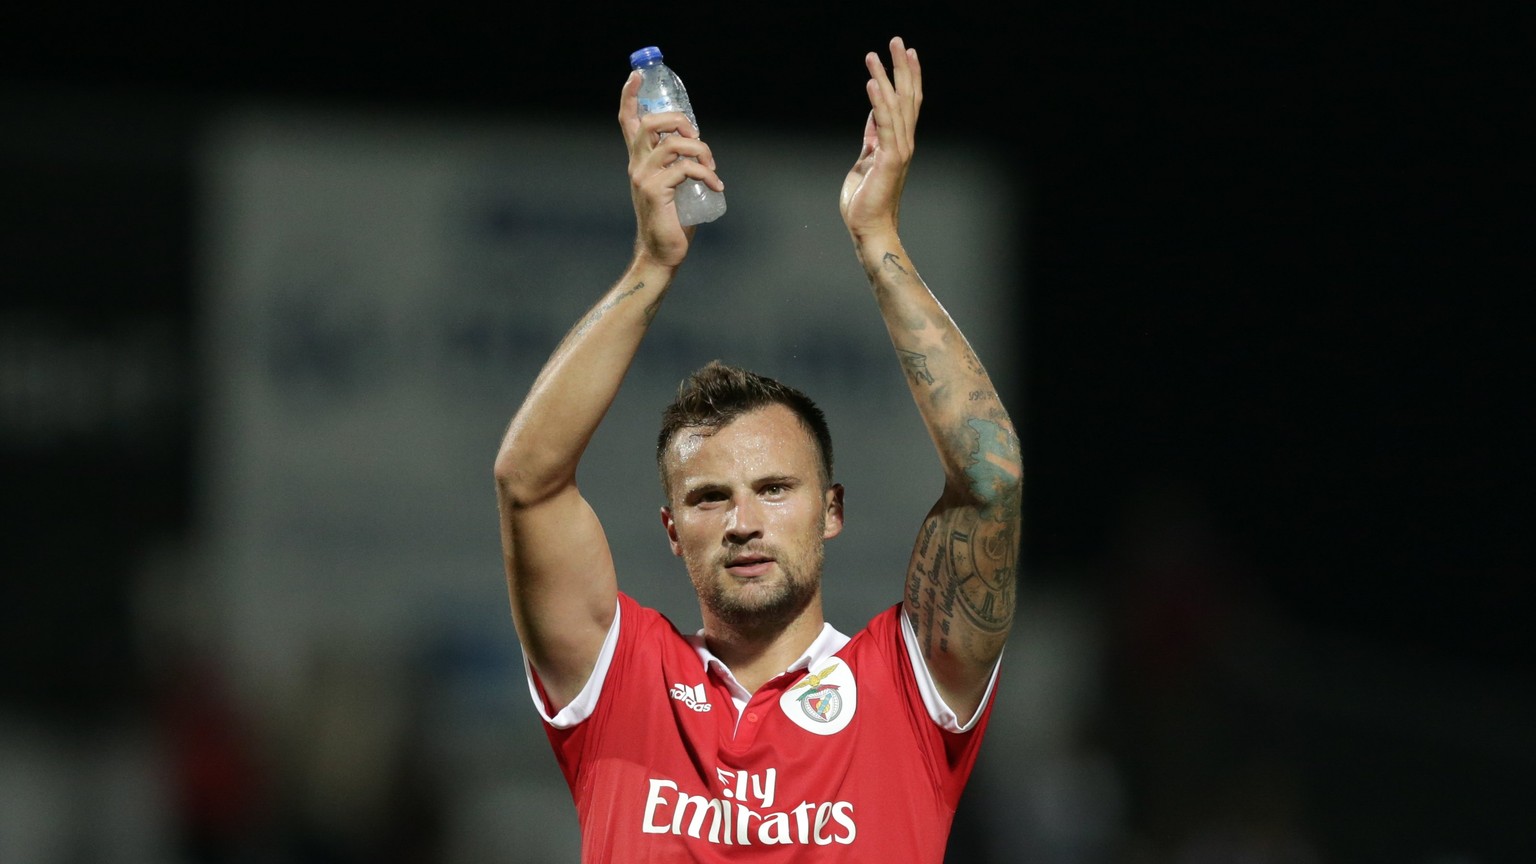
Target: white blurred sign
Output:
[(379, 292)]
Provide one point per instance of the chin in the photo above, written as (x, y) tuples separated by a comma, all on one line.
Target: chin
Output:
[(760, 605)]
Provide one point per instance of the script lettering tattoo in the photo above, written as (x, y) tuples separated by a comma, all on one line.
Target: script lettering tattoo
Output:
[(597, 314), (927, 541), (972, 362)]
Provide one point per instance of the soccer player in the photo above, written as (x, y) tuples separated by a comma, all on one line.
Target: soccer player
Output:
[(768, 735)]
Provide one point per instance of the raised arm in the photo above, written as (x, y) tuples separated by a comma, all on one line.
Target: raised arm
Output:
[(961, 577), (560, 574)]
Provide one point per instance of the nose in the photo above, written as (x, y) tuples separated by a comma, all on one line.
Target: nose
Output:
[(746, 521)]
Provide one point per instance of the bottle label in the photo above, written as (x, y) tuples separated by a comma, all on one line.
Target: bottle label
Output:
[(656, 106)]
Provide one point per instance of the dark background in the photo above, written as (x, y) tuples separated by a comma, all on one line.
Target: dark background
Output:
[(1274, 268)]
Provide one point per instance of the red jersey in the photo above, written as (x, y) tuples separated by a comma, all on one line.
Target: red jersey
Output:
[(848, 756)]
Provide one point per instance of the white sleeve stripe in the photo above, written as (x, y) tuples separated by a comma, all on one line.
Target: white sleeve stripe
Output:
[(580, 707), (941, 713)]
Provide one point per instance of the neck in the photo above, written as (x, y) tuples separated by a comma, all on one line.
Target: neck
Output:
[(757, 657)]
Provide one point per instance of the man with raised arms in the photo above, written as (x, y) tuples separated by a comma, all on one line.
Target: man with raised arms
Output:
[(767, 735)]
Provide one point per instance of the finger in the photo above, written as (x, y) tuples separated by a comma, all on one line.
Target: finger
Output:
[(894, 87), (877, 72), (871, 132), (676, 146), (883, 114), (907, 76), (881, 97), (901, 78), (629, 104), (667, 179), (696, 170), (906, 95), (667, 122), (915, 81)]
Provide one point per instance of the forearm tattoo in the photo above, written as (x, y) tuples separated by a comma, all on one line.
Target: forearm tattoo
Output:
[(597, 314), (964, 570), (972, 362), (966, 561), (887, 261), (961, 583), (916, 365)]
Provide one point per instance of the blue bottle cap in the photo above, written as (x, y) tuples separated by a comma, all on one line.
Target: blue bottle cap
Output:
[(647, 56)]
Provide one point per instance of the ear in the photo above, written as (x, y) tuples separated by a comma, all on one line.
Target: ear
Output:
[(834, 505), (671, 527)]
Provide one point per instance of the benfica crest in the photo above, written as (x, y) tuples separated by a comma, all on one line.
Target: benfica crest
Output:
[(821, 702), (824, 700)]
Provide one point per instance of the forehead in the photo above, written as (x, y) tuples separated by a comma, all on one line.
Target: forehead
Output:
[(766, 441)]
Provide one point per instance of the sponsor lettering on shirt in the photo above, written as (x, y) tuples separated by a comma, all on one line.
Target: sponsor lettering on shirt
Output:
[(743, 815)]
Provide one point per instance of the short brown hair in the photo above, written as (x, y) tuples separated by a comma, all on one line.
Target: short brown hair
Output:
[(717, 394)]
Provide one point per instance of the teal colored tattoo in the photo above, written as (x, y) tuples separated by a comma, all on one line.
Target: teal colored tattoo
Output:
[(996, 451)]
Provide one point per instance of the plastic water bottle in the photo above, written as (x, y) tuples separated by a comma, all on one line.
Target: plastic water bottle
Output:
[(662, 90)]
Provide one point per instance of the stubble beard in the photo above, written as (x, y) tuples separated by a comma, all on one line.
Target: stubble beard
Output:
[(763, 608)]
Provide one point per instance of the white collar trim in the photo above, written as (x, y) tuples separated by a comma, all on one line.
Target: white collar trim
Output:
[(828, 642)]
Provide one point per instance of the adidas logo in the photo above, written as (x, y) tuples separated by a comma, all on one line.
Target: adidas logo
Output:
[(693, 696)]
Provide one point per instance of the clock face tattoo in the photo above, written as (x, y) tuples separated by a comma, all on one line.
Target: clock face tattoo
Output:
[(981, 564), (983, 552)]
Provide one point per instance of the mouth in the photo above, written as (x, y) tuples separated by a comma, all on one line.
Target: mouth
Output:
[(749, 565)]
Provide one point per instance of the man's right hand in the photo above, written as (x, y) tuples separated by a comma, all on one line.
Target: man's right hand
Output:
[(870, 199), (657, 144)]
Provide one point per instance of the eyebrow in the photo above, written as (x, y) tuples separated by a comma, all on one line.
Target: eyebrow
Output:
[(777, 479), (701, 486)]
